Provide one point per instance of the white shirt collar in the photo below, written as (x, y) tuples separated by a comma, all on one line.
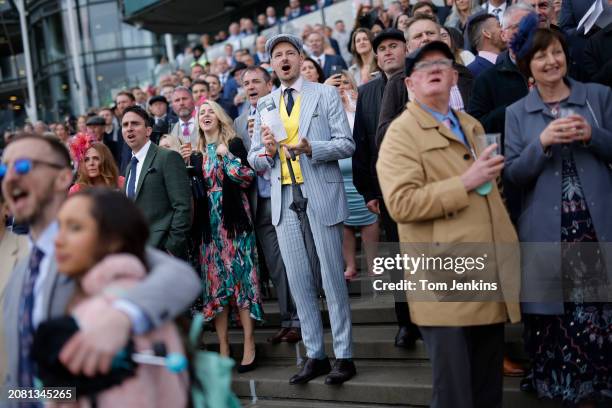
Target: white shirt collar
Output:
[(489, 56), (491, 7), (142, 153), (319, 58), (297, 85), (189, 122)]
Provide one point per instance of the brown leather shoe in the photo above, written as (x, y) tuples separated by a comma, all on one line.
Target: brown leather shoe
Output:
[(278, 336), (512, 368), (293, 335)]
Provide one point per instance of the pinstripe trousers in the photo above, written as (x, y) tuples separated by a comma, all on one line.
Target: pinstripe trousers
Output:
[(328, 242)]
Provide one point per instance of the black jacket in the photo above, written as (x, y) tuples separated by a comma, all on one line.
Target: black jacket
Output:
[(364, 133), (494, 90), (160, 128), (598, 57), (395, 98)]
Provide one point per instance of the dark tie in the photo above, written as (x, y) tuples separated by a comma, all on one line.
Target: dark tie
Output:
[(131, 188), (26, 327), (496, 13), (289, 93)]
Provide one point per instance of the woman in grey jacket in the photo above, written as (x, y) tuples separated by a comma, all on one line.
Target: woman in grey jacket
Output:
[(558, 146)]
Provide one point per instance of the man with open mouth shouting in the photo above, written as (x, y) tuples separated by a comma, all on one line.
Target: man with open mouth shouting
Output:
[(318, 134)]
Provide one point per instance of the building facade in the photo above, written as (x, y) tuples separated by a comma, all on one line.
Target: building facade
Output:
[(112, 56)]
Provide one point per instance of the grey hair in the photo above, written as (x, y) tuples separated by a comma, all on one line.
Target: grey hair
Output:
[(514, 8), (181, 88)]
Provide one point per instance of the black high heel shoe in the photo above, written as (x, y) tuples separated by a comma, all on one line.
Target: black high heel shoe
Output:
[(245, 368)]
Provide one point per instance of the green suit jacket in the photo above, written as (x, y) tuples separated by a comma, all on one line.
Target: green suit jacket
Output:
[(164, 196)]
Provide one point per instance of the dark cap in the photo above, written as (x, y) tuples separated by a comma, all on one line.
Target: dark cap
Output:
[(388, 34), (279, 38), (157, 98), (95, 121), (418, 55), (239, 65)]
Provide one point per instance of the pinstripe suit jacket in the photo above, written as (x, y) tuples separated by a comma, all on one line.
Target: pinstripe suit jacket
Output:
[(324, 123)]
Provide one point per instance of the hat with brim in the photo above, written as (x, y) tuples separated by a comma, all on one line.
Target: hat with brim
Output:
[(388, 34), (95, 121), (238, 67), (416, 56), (294, 40), (158, 98)]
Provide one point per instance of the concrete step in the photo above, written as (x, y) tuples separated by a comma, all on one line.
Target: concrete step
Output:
[(364, 310), (406, 386), (285, 403), (369, 342), (358, 286)]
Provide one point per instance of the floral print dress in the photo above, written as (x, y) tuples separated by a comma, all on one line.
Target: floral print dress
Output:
[(572, 352), (228, 265)]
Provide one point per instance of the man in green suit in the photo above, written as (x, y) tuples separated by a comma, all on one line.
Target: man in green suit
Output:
[(156, 179)]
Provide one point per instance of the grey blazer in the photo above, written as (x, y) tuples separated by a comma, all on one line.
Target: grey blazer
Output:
[(177, 134), (169, 288), (324, 123), (539, 177)]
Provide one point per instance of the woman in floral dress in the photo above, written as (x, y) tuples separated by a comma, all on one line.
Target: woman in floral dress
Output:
[(228, 251)]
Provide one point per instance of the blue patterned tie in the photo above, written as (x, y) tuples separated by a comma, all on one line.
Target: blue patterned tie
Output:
[(131, 188), (26, 327), (289, 92)]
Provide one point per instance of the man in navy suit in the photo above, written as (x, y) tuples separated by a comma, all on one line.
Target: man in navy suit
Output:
[(485, 37), (316, 43)]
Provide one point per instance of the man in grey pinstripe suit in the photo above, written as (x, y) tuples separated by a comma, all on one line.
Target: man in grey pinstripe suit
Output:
[(318, 133)]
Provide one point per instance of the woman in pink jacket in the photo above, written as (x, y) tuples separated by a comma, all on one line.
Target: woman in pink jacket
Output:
[(101, 246)]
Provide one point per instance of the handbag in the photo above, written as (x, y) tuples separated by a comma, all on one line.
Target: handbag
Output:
[(211, 373)]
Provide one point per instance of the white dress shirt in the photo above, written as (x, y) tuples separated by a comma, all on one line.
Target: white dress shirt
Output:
[(297, 89), (320, 59), (190, 125), (141, 156), (491, 9)]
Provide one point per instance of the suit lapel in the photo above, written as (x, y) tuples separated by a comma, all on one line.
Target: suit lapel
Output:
[(309, 100), (146, 166)]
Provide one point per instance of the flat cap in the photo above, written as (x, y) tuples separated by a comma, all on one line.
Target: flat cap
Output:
[(388, 34), (279, 38), (158, 98), (418, 55), (239, 66), (95, 121)]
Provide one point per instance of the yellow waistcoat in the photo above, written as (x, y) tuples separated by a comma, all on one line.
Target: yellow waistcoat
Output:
[(292, 124)]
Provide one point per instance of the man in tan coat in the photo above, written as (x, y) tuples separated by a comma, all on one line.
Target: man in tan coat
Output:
[(429, 175)]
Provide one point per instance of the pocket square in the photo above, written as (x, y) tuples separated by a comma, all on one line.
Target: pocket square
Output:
[(151, 170)]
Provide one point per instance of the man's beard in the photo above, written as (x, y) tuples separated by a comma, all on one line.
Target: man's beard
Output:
[(37, 214)]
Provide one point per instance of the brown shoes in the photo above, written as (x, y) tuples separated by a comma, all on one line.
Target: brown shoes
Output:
[(512, 368), (292, 336), (278, 337), (286, 334)]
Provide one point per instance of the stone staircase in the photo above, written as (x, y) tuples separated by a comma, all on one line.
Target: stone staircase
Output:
[(387, 376)]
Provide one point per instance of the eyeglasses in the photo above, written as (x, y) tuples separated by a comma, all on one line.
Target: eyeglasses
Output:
[(24, 166), (427, 65)]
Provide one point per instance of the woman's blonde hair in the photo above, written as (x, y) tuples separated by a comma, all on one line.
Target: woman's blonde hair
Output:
[(226, 126)]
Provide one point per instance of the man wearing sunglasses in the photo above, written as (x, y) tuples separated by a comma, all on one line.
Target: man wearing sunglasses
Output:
[(429, 177), (36, 174)]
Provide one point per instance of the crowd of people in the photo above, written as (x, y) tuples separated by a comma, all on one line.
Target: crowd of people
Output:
[(271, 163)]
